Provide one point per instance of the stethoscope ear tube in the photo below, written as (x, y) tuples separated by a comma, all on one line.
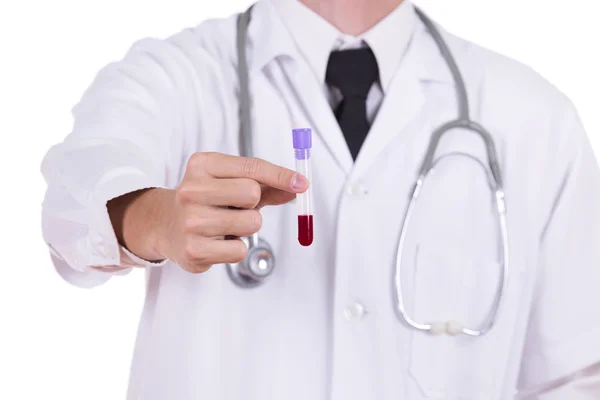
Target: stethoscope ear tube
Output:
[(470, 126), (245, 134), (260, 259)]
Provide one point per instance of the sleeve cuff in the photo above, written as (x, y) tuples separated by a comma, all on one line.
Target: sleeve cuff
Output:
[(107, 254), (85, 279), (128, 258)]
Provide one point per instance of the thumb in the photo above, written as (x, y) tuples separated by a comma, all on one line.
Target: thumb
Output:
[(274, 197)]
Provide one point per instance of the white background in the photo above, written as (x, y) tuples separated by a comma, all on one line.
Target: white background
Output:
[(57, 341)]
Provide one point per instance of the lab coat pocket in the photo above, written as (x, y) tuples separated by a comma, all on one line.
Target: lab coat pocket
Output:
[(451, 284)]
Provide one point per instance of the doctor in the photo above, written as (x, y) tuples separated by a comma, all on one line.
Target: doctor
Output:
[(150, 177)]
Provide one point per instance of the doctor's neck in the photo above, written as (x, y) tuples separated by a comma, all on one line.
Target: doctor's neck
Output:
[(352, 17)]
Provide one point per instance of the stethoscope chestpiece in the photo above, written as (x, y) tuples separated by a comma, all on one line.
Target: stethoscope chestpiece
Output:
[(256, 267)]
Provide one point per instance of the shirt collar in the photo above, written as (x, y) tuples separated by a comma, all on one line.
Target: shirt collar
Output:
[(316, 38), (270, 38)]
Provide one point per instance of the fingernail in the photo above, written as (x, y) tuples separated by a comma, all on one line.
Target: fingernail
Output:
[(299, 182)]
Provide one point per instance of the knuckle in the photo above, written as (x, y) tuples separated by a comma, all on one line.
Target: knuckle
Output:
[(238, 252), (184, 265), (199, 161), (194, 191), (187, 266), (283, 177), (251, 167), (199, 221), (193, 251), (209, 157), (189, 252), (255, 220), (195, 268), (202, 268), (225, 224), (253, 194), (190, 224), (185, 193), (196, 160)]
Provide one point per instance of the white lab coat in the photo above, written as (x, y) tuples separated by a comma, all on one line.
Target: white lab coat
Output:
[(323, 327)]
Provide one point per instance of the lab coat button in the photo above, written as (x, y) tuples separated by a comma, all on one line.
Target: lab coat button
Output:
[(354, 311)]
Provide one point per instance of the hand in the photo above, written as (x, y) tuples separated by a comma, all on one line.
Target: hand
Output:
[(218, 201)]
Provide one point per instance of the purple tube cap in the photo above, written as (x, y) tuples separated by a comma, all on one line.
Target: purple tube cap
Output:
[(302, 138)]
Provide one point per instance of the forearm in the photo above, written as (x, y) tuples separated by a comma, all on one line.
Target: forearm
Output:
[(139, 220)]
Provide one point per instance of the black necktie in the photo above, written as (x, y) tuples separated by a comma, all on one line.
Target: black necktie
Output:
[(353, 72)]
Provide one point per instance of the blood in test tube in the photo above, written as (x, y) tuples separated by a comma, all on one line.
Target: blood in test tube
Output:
[(302, 139), (305, 230)]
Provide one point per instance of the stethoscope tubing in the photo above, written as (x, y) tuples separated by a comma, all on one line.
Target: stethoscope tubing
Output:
[(248, 275)]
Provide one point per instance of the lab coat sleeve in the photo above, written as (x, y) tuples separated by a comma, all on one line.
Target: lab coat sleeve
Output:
[(564, 329), (583, 385), (125, 129)]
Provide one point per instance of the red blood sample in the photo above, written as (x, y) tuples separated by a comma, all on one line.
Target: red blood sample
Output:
[(305, 230)]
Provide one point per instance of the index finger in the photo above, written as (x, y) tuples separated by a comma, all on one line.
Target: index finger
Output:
[(275, 176)]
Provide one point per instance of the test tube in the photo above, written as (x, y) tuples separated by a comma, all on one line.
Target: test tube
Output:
[(302, 139)]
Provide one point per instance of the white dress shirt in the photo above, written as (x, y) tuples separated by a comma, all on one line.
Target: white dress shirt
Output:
[(323, 327)]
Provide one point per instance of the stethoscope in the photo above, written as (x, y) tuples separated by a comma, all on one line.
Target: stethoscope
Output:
[(260, 260)]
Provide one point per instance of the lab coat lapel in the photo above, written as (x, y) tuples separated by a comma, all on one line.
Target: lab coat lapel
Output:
[(405, 98), (320, 114), (401, 104), (271, 39)]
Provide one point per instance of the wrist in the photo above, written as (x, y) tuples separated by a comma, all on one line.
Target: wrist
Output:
[(156, 211), (140, 220)]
